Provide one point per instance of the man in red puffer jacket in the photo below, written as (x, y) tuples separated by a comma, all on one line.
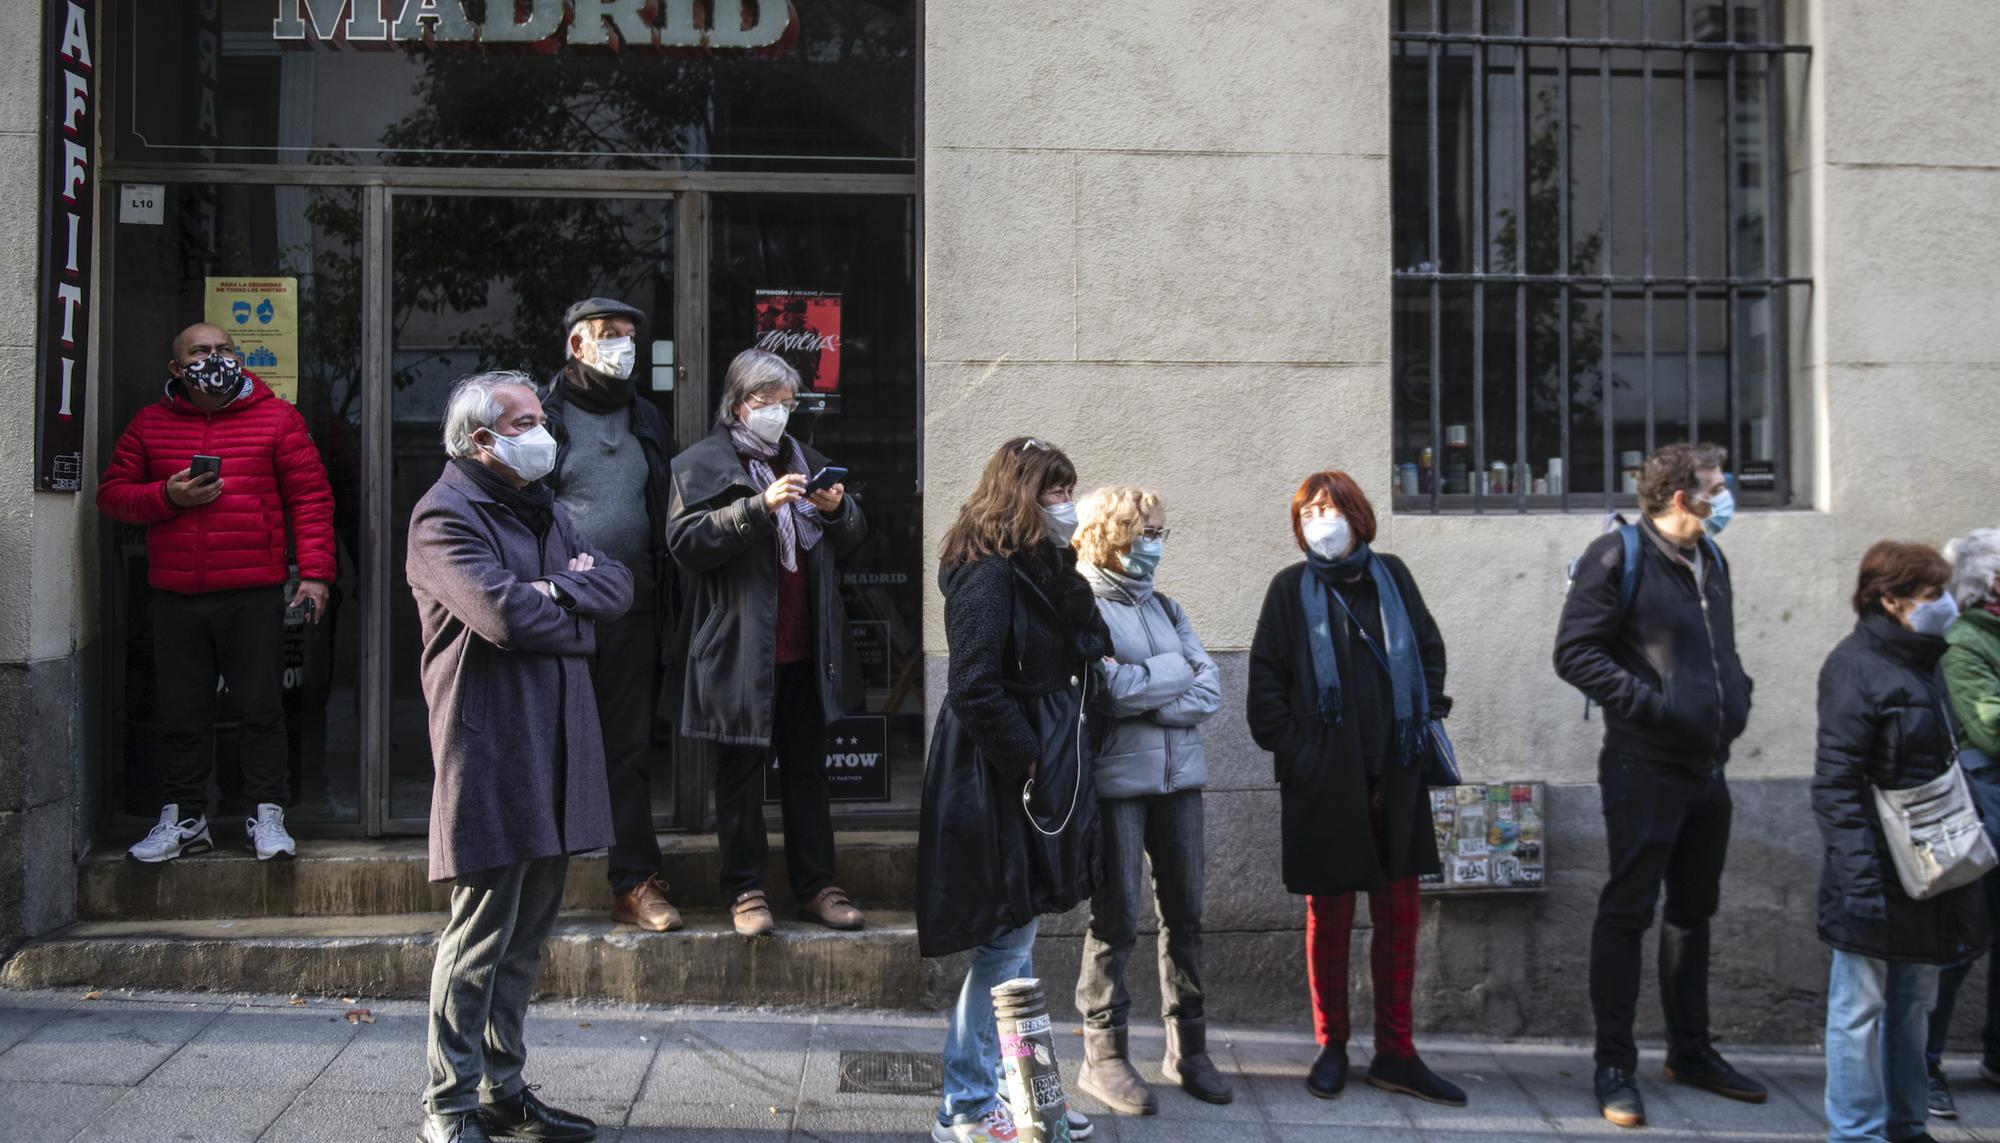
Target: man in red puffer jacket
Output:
[(216, 554)]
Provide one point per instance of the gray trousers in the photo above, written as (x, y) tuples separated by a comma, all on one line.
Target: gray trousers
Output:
[(483, 978), (1168, 828)]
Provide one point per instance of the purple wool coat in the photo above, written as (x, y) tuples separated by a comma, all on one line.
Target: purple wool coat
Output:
[(515, 742)]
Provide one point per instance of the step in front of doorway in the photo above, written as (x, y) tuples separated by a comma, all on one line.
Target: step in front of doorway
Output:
[(390, 956), (361, 878)]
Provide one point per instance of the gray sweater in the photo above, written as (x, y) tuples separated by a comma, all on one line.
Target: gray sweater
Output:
[(604, 490)]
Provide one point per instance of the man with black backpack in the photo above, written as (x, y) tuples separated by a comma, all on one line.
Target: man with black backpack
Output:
[(1648, 633)]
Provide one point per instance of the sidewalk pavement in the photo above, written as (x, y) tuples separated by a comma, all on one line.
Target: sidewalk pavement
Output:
[(160, 1066)]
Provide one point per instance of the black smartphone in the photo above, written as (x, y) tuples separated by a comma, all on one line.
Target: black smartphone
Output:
[(205, 464), (825, 478)]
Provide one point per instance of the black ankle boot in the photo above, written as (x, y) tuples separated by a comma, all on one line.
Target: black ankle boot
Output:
[(526, 1117), (1328, 1077), (1188, 1064), (1409, 1076)]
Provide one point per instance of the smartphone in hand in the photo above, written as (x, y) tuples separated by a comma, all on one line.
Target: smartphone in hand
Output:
[(825, 478), (205, 464)]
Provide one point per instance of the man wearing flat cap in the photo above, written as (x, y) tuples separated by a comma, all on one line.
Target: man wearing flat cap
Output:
[(611, 478)]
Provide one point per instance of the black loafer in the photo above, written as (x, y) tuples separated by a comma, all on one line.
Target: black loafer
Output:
[(453, 1127), (1710, 1072), (1328, 1077), (527, 1117), (1409, 1076)]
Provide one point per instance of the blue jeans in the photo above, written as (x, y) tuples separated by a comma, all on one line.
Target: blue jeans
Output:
[(971, 1042), (1877, 1015)]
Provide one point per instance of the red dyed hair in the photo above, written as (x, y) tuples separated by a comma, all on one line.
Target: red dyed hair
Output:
[(1339, 489)]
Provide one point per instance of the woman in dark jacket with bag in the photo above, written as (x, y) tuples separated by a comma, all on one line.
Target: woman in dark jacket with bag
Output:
[(1346, 671), (1884, 724), (1009, 828), (761, 659)]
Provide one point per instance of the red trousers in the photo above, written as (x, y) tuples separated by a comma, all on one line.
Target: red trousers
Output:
[(1392, 958)]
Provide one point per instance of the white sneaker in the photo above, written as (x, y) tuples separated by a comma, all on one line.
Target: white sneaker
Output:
[(1080, 1126), (996, 1127), (172, 838), (265, 834)]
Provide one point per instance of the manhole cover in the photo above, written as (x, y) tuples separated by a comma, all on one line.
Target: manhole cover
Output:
[(890, 1073)]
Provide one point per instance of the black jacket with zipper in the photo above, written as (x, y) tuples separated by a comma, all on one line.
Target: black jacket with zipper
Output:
[(1024, 634), (1884, 723), (1666, 672), (721, 680)]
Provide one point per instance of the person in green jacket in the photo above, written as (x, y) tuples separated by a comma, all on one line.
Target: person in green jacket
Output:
[(1972, 676)]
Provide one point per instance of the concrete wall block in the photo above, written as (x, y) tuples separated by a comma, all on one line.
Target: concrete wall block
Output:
[(1904, 465), (1909, 83), (1912, 265), (1233, 258), (37, 873), (1168, 76), (1201, 434), (20, 236), (1000, 253), (38, 732), (21, 46)]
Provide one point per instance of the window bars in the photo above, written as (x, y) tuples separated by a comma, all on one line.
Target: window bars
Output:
[(1487, 203)]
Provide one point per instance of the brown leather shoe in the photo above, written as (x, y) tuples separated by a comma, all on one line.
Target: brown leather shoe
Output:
[(831, 907), (752, 914), (646, 906)]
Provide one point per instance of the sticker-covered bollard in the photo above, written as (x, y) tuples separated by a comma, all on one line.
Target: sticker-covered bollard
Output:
[(1028, 1062)]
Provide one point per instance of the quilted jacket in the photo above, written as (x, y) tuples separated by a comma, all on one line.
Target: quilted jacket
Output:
[(272, 476)]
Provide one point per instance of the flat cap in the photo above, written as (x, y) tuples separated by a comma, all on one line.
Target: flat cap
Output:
[(600, 308)]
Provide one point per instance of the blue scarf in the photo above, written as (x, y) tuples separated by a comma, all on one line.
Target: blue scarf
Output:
[(1400, 662)]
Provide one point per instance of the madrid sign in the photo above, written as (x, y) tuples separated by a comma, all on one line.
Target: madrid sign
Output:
[(737, 24)]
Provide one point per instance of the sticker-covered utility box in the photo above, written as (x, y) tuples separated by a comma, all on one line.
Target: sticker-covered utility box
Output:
[(1491, 838)]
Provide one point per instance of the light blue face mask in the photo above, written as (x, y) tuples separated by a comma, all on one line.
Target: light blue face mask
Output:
[(1720, 509), (1144, 558), (1932, 617)]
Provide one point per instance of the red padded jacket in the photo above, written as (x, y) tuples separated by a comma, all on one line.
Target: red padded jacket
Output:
[(271, 472)]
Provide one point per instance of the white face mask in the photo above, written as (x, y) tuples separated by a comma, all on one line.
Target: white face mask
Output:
[(615, 356), (1060, 519), (768, 423), (532, 455), (1329, 537)]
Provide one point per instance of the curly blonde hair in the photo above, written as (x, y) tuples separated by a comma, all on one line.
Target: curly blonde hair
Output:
[(1109, 519)]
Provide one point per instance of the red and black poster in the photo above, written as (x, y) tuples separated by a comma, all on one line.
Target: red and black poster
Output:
[(803, 327), (68, 186)]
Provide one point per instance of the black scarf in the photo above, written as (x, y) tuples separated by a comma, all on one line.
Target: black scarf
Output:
[(595, 390), (534, 505)]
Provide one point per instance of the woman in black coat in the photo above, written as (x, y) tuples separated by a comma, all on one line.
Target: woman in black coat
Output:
[(761, 660), (1009, 825), (1885, 723), (1346, 670)]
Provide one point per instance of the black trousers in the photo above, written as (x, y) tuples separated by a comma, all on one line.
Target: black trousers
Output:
[(625, 678), (239, 635), (1662, 826), (1953, 978), (799, 742)]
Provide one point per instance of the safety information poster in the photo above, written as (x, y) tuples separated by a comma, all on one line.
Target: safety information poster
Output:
[(261, 315), (1490, 838)]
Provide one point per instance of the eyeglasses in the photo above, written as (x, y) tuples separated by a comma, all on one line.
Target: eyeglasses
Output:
[(1032, 443), (1160, 534), (759, 402)]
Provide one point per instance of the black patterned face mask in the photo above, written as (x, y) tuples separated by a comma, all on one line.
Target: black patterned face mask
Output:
[(218, 375)]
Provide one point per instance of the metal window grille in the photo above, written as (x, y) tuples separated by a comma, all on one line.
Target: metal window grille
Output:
[(1538, 305)]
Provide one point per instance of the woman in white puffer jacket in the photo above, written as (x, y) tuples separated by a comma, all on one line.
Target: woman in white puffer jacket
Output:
[(1159, 687)]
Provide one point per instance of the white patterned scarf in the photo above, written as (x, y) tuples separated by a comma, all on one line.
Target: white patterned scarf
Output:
[(799, 522)]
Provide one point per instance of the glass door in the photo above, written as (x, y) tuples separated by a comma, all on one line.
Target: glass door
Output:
[(479, 281)]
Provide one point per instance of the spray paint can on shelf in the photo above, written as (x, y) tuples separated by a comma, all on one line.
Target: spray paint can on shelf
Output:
[(1034, 1087)]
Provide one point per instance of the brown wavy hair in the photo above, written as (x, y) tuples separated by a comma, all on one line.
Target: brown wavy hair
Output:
[(1343, 493), (1004, 513)]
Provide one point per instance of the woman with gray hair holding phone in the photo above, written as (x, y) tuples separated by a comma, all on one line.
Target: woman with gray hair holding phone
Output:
[(761, 661), (1972, 680)]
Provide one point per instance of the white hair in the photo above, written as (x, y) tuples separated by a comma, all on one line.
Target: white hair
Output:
[(472, 406), (1975, 560), (754, 371), (581, 327)]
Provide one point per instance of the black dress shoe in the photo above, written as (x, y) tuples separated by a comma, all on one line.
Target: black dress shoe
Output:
[(1710, 1072), (527, 1117), (1618, 1097), (1328, 1076), (453, 1127), (1409, 1076)]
